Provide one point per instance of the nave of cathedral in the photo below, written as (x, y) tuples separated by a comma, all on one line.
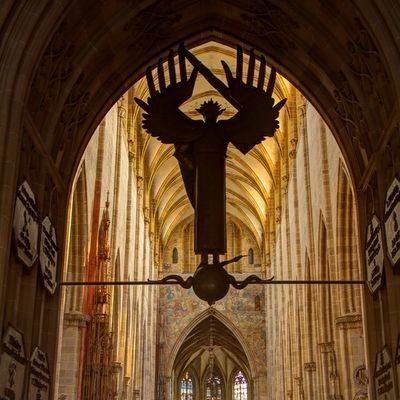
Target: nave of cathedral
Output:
[(87, 195)]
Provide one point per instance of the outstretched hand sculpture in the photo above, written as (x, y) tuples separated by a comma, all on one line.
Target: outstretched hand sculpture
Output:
[(200, 147)]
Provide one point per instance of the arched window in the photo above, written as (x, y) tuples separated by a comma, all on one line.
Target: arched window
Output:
[(186, 387), (250, 256), (175, 256), (239, 386), (214, 387)]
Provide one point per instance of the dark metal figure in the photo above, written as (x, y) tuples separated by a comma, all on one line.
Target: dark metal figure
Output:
[(200, 146)]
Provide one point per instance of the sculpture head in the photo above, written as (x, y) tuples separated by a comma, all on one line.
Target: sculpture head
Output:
[(210, 110)]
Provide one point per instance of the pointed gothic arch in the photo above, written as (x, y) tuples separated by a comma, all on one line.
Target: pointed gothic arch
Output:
[(324, 293), (212, 312), (67, 112), (75, 320), (224, 350), (78, 247), (347, 241)]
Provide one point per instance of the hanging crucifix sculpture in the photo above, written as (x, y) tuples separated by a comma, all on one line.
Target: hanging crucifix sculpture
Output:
[(200, 148)]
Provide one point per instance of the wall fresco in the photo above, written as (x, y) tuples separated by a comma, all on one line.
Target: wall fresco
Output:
[(244, 309)]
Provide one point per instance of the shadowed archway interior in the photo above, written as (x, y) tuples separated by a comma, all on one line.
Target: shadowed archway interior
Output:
[(67, 70), (151, 220)]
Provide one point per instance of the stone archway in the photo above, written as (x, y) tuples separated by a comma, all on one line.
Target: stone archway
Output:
[(69, 94), (54, 94), (212, 329)]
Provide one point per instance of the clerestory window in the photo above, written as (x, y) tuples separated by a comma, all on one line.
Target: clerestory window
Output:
[(250, 256)]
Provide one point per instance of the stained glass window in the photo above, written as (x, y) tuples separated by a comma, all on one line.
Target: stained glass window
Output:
[(239, 387), (214, 387), (186, 387)]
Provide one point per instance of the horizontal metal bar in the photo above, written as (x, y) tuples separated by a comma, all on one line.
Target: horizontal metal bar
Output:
[(276, 282), (314, 282), (115, 283)]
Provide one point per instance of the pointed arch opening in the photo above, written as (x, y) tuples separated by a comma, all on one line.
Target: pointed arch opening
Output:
[(159, 201), (212, 351), (347, 249)]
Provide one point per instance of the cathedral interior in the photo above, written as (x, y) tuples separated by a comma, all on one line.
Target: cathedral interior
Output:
[(87, 195)]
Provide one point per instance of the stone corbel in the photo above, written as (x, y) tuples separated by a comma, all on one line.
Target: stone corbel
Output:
[(349, 321), (310, 366), (77, 319), (326, 347)]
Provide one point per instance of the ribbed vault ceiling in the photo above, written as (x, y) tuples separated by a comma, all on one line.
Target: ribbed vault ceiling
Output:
[(250, 179), (197, 344)]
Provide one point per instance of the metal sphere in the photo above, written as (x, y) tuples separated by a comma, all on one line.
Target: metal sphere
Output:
[(210, 282)]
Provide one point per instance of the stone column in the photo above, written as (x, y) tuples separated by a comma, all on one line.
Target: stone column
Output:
[(75, 324), (330, 376), (351, 347), (260, 387)]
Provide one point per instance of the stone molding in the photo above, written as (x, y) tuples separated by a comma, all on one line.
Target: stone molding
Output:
[(77, 319), (327, 347), (349, 321), (310, 366), (116, 367)]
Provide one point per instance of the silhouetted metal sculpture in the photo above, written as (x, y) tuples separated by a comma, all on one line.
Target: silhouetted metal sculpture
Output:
[(200, 147)]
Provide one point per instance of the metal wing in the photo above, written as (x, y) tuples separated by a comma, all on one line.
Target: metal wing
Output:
[(168, 124), (253, 123), (257, 115)]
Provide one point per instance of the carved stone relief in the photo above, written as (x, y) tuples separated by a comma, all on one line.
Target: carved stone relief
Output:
[(29, 164), (278, 211), (266, 20), (390, 162), (366, 64), (76, 319), (310, 366), (349, 109), (153, 23), (55, 68), (349, 321), (360, 376), (73, 114)]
